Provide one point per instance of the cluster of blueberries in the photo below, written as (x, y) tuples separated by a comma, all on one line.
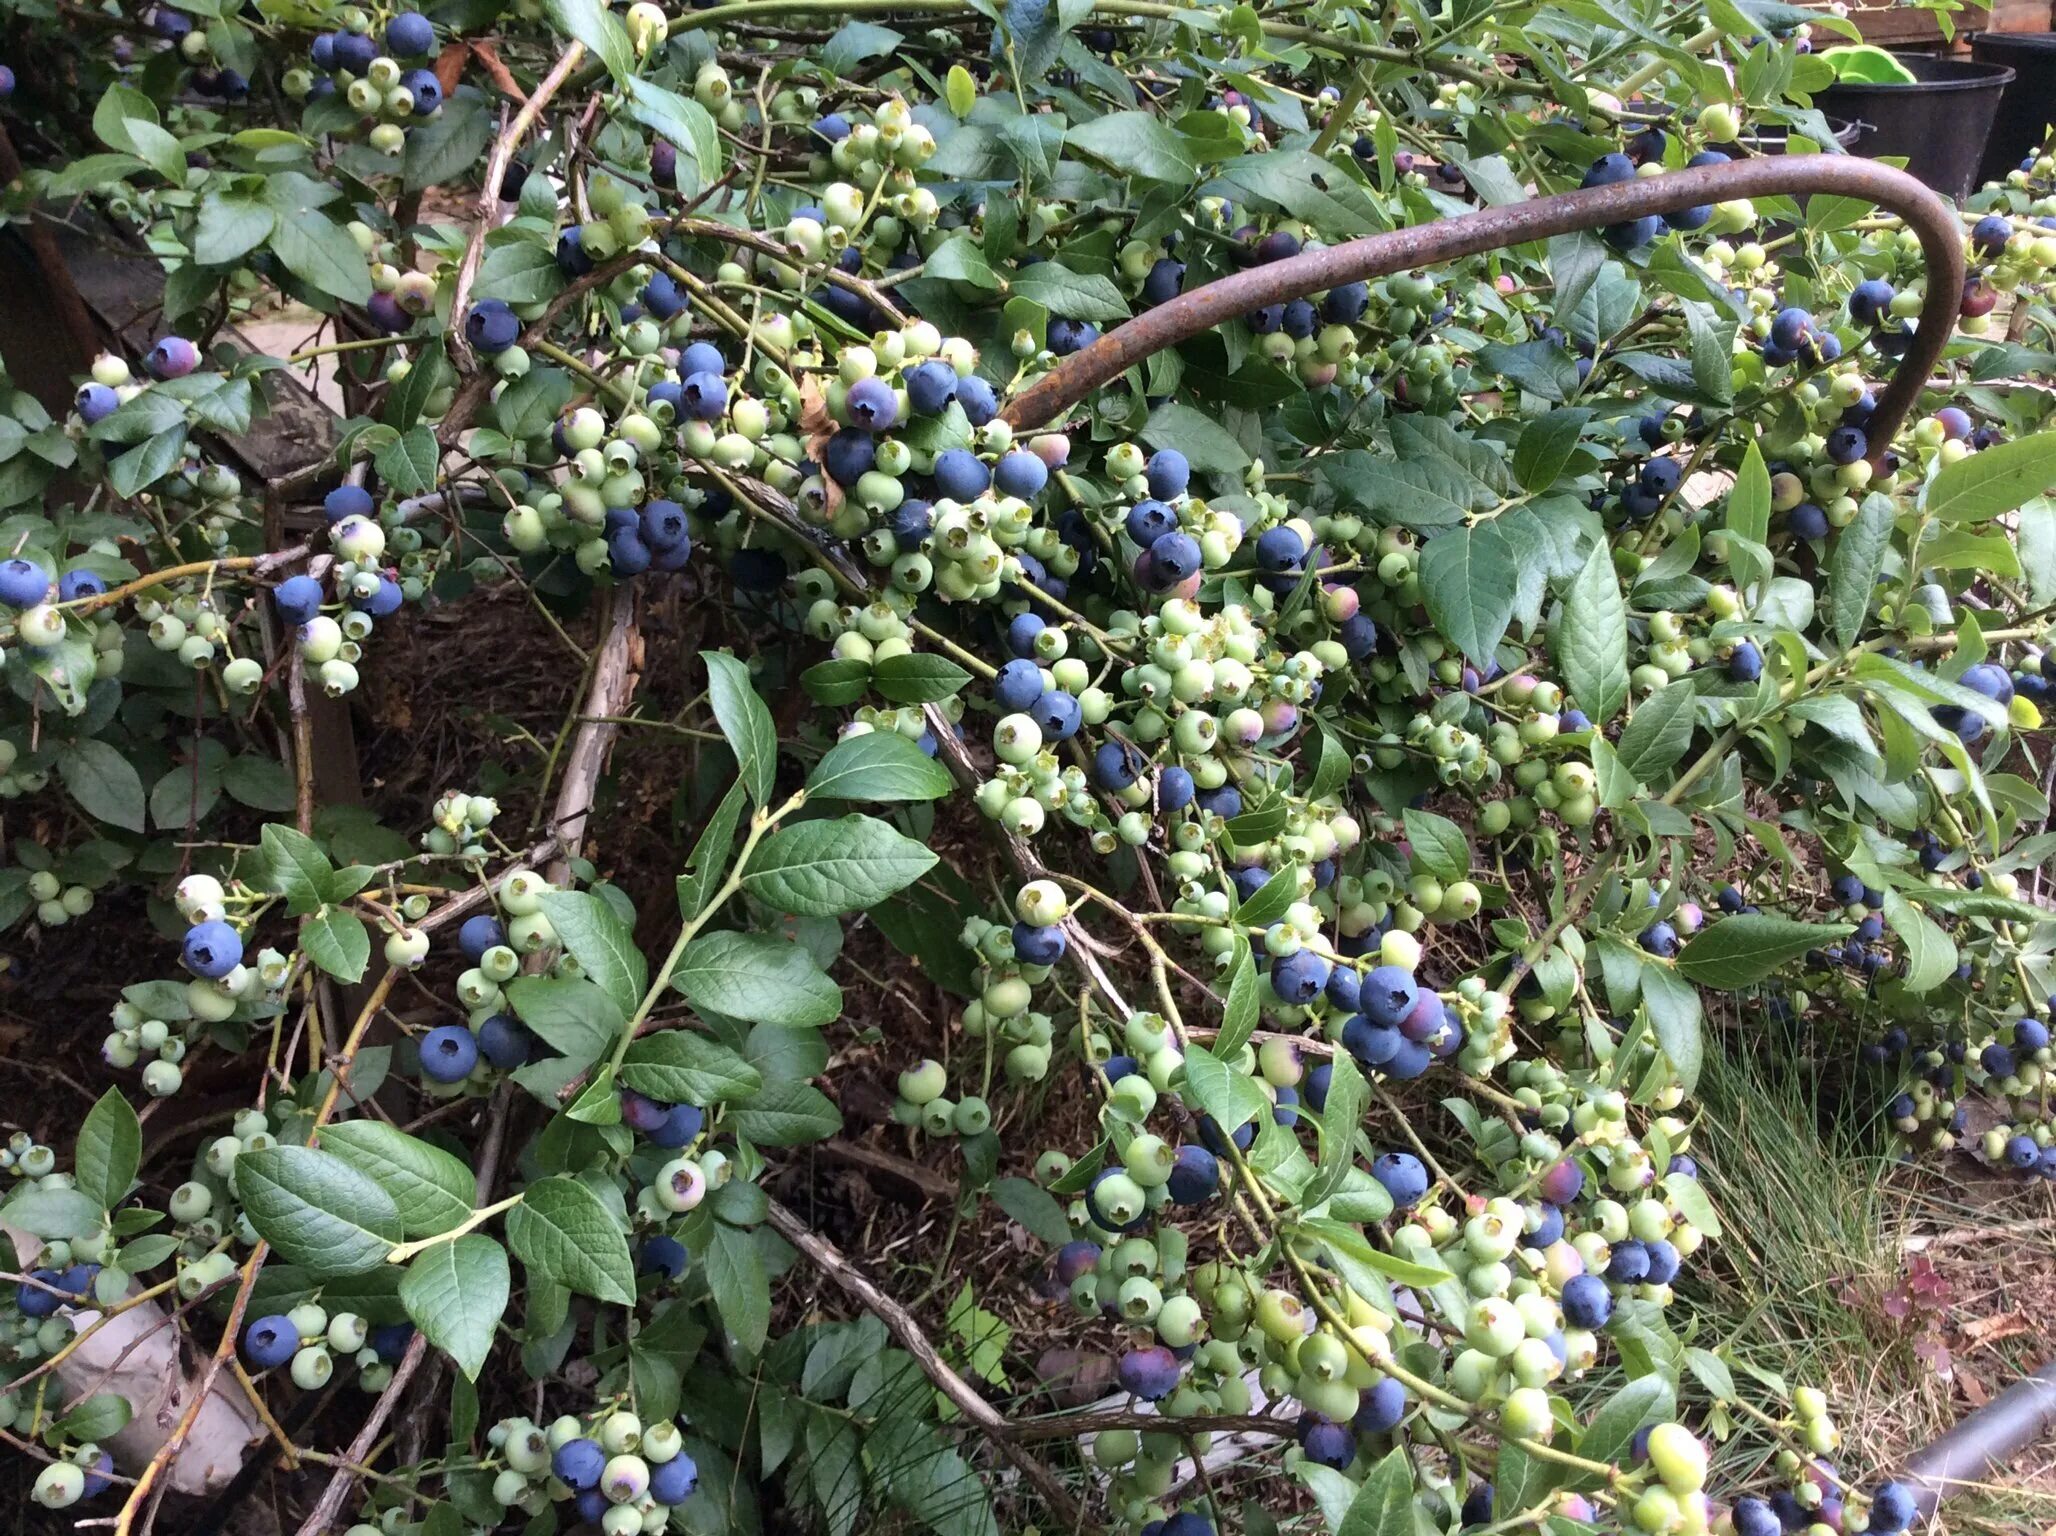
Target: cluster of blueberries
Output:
[(1647, 147), (351, 55)]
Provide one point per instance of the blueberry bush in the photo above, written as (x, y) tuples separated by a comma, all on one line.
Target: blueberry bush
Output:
[(1328, 790)]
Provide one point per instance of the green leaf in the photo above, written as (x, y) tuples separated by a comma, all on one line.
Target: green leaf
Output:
[(1575, 262), (1642, 1402), (827, 868), (1853, 569), (104, 783), (757, 978), (604, 37), (570, 1014), (408, 463), (688, 125), (55, 1214), (1341, 1114), (787, 1115), (1301, 183), (1384, 1505), (1591, 638), (1231, 1097), (562, 1232), (231, 225), (917, 677), (1546, 445), (337, 941), (1742, 950), (449, 144), (1690, 1197), (1206, 444), (1137, 144), (1994, 480), (878, 765), (1658, 732), (1749, 502), (116, 109), (742, 1290), (1241, 1011), (1469, 580), (1350, 1246), (707, 865), (1080, 295), (143, 467), (1439, 846), (1034, 1208), (314, 248), (1673, 1009), (100, 1417), (431, 1189), (110, 1150), (959, 260), (675, 1066), (456, 1292), (960, 91), (317, 1210), (1930, 953), (744, 721), (520, 272), (601, 944), (294, 867)]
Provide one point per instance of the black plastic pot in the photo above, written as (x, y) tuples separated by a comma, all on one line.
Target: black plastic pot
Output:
[(1939, 123), (2029, 104)]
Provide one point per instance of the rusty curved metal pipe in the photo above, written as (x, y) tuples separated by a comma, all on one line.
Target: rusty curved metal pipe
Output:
[(1427, 245)]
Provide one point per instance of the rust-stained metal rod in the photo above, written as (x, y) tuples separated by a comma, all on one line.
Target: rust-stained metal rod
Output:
[(1471, 234)]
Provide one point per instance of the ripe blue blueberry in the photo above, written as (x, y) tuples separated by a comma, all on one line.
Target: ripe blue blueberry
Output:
[(1544, 1226), (448, 1053), (1022, 629), (1609, 170), (96, 402), (1043, 945), (1067, 336), (1346, 304), (1379, 1410), (663, 524), (1280, 550), (23, 583), (672, 1482), (849, 455), (1018, 685), (1345, 988), (1990, 234), (912, 521), (354, 51), (33, 1300), (409, 35), (173, 357), (1057, 714), (297, 599), (1660, 477), (703, 396), (680, 1127), (663, 1254), (1195, 1176), (1299, 977), (1870, 300), (1698, 216), (572, 259), (1150, 1373), (1166, 280), (270, 1342), (1745, 662), (1020, 473), (1892, 1508), (931, 385), (1629, 1264), (1845, 445), (1115, 765), (1807, 521), (1661, 940), (1753, 1517), (1587, 1303), (1174, 789), (352, 500), (1148, 521), (1327, 1443), (1359, 636), (978, 400), (1389, 995), (425, 88), (2030, 1035), (1789, 327), (383, 601), (960, 474), (1404, 1177), (211, 950), (504, 1042), (1172, 559), (1989, 679), (73, 585), (871, 404), (1168, 474), (491, 327), (1632, 235), (1662, 1261), (627, 554), (578, 1463), (1076, 1258), (663, 298)]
